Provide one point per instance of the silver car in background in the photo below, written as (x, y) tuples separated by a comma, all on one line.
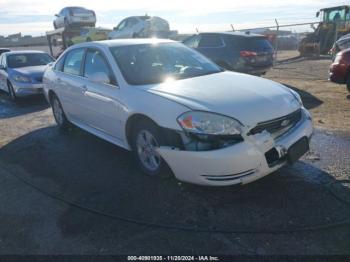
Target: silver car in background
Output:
[(141, 26), (21, 72), (74, 16)]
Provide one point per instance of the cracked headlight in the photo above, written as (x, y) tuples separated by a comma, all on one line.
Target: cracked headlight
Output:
[(205, 123), (23, 79)]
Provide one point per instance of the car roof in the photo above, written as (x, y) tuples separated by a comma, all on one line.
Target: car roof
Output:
[(125, 42), (241, 34), (71, 7), (25, 52)]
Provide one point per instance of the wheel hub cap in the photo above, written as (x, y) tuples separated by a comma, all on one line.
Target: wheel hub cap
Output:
[(147, 150)]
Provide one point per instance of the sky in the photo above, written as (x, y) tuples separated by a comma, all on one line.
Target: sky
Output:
[(35, 16)]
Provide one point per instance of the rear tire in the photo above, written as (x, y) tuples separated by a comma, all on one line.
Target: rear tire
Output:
[(58, 113), (348, 83), (11, 92), (145, 139)]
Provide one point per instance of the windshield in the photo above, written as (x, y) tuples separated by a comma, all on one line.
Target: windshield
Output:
[(334, 14), (24, 60), (156, 63)]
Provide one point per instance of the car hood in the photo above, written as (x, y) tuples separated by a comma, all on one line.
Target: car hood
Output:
[(246, 98), (30, 70)]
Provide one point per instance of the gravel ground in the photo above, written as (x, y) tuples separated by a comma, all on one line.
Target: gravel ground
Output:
[(92, 173), (329, 103)]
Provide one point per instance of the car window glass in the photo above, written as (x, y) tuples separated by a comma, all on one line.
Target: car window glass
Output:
[(256, 44), (59, 64), (210, 41), (72, 63), (84, 32), (192, 42), (121, 25), (148, 64), (132, 21), (28, 59), (96, 63)]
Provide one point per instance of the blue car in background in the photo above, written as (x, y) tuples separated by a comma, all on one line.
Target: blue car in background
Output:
[(235, 51), (21, 72)]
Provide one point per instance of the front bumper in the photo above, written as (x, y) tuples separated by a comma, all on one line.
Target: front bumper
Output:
[(242, 163), (26, 89)]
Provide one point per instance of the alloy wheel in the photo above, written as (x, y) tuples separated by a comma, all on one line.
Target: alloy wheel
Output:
[(58, 111), (147, 146)]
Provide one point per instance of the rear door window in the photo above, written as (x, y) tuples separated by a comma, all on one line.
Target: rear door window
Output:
[(256, 44), (73, 61), (192, 41), (211, 41)]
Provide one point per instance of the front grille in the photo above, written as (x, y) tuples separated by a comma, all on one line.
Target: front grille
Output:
[(38, 78), (279, 125)]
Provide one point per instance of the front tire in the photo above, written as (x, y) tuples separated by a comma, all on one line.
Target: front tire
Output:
[(146, 138), (58, 113), (348, 83), (11, 92)]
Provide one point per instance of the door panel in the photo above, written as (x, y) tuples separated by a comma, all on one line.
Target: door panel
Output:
[(103, 107), (3, 75), (70, 88)]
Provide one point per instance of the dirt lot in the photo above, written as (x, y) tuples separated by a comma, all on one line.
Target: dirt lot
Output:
[(72, 193), (328, 102)]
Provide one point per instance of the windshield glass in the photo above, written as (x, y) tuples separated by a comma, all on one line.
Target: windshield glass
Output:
[(156, 63), (24, 60), (334, 15)]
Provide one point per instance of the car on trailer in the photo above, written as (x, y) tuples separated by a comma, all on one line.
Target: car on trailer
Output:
[(88, 34), (74, 16)]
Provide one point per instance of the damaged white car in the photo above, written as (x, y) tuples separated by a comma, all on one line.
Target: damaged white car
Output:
[(176, 109)]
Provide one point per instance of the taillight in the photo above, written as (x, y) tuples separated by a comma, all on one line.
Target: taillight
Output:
[(248, 54), (339, 58)]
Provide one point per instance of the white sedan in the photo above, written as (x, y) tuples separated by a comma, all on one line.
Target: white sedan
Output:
[(175, 109)]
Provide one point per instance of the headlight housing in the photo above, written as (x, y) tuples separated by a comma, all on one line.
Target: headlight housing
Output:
[(206, 123), (22, 79), (208, 131), (297, 97)]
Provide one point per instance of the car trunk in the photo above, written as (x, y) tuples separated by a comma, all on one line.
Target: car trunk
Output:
[(256, 51)]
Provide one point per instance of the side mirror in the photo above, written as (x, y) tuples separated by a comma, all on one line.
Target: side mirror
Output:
[(56, 15), (317, 14), (2, 67), (100, 78)]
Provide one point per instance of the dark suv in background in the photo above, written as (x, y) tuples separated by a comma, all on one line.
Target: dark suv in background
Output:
[(241, 52)]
